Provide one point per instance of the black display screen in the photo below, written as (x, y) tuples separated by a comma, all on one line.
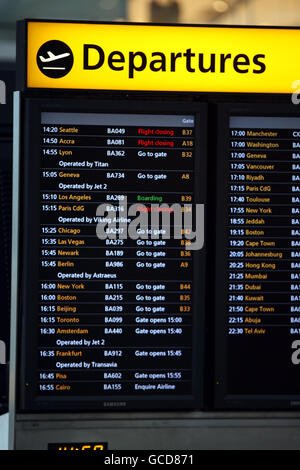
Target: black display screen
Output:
[(112, 304), (258, 272)]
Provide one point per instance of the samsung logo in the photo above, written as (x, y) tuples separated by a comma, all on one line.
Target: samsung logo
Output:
[(114, 403)]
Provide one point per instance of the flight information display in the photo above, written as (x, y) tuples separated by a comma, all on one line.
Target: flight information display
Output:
[(114, 304), (258, 311)]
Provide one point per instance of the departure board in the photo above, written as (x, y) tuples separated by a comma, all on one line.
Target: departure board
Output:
[(112, 317), (258, 274)]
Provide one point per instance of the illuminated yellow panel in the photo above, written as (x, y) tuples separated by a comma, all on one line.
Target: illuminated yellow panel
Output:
[(166, 58)]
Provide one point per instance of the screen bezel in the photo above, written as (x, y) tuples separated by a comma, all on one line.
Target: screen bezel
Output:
[(222, 400), (31, 108)]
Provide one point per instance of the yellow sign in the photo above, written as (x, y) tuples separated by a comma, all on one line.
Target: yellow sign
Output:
[(120, 56)]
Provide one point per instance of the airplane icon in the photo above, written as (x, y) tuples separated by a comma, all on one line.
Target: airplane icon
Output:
[(51, 57)]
